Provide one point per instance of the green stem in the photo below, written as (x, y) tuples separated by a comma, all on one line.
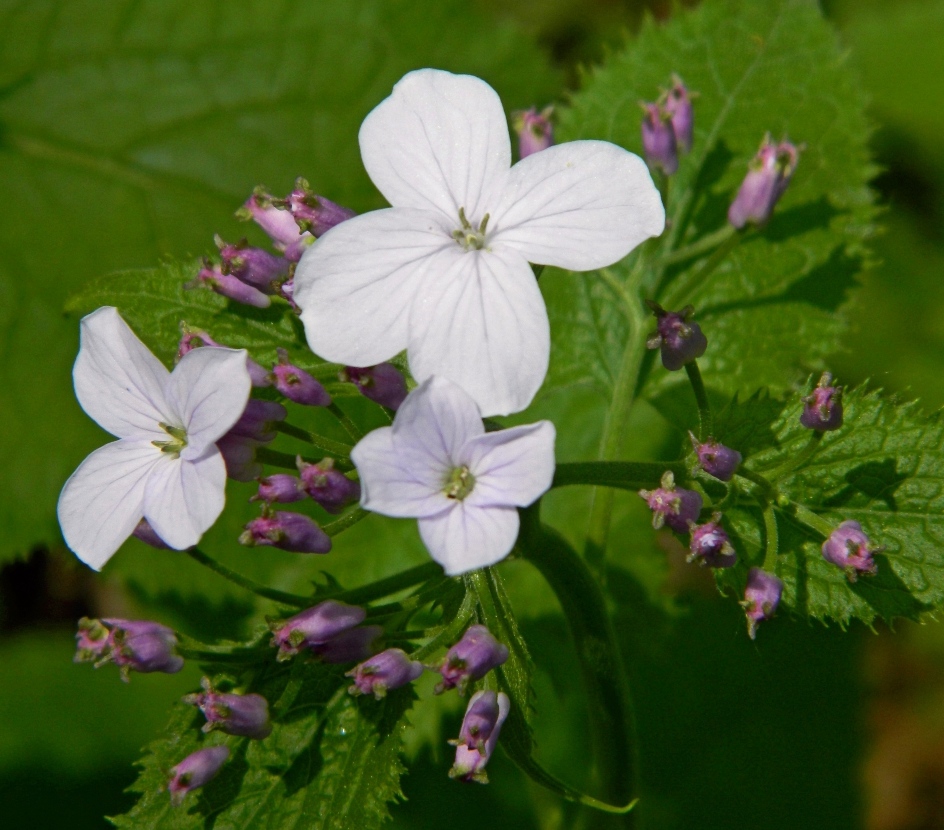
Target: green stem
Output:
[(693, 279), (389, 585), (245, 582), (771, 540), (798, 460), (342, 524), (770, 492), (702, 246), (623, 475), (812, 520), (349, 426), (705, 425), (274, 458), (241, 655), (334, 448), (450, 632), (293, 431)]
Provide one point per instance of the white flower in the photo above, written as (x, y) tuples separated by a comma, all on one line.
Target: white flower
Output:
[(437, 464), (444, 273), (165, 467)]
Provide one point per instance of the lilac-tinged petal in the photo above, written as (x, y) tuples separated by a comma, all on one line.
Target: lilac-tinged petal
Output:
[(440, 141), (391, 486), (184, 498), (483, 325), (355, 284), (102, 502), (118, 382), (512, 466), (208, 391), (580, 205), (468, 537)]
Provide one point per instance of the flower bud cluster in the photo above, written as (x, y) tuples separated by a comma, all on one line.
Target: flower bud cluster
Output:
[(132, 645), (668, 126)]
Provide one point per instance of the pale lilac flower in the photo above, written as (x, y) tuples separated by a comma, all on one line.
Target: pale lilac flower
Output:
[(437, 464), (444, 273), (165, 467)]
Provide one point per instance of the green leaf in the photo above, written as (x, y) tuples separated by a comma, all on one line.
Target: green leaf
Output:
[(133, 130), (772, 308)]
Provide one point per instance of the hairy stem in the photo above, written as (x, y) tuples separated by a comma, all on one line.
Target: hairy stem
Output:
[(702, 246), (346, 521), (771, 540), (705, 425), (245, 582), (389, 585)]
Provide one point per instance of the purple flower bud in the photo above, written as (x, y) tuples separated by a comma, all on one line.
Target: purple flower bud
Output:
[(293, 532), (535, 131), (680, 340), (253, 266), (711, 546), (132, 645), (243, 715), (761, 598), (671, 505), (383, 672), (383, 384), (716, 459), (476, 654), (277, 222), (195, 770), (850, 549), (280, 488), (329, 487), (823, 408), (229, 286), (678, 105), (257, 419), (350, 646), (478, 736), (658, 139), (315, 213), (767, 178), (191, 339), (314, 626), (146, 534), (92, 642), (297, 385), (239, 455)]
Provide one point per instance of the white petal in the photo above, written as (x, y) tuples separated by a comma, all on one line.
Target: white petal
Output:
[(390, 485), (468, 537), (482, 324), (580, 205), (184, 498), (439, 141), (118, 382), (356, 283), (512, 466), (208, 391), (103, 499)]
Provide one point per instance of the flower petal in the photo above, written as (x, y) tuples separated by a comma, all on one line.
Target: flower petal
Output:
[(391, 486), (184, 498), (355, 284), (469, 537), (580, 205), (482, 324), (512, 466), (102, 502), (440, 141), (118, 382), (208, 391)]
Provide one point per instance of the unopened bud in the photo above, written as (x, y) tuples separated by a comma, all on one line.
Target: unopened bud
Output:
[(191, 339), (239, 455), (297, 385), (195, 770), (314, 626), (767, 178), (481, 726), (474, 656), (350, 646), (145, 533), (761, 598), (534, 129), (277, 222), (253, 266), (234, 714), (671, 505), (849, 548), (383, 383), (293, 532), (329, 487), (132, 645), (679, 339), (257, 420), (822, 409), (384, 672), (678, 105), (710, 545), (229, 286), (715, 458), (658, 139), (315, 213), (280, 488)]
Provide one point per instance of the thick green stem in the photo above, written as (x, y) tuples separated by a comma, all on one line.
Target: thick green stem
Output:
[(680, 291), (812, 520), (342, 524), (389, 585), (702, 246), (623, 475), (771, 540), (701, 398), (274, 458), (337, 449), (245, 582)]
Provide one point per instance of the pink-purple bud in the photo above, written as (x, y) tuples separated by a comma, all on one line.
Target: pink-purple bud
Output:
[(257, 420), (297, 385), (350, 646), (671, 505), (329, 487), (279, 488), (383, 672), (293, 532), (277, 222), (822, 409), (767, 178), (191, 339), (314, 626), (715, 458), (761, 598), (312, 212), (481, 726), (195, 770), (234, 714), (229, 286), (132, 645), (658, 139), (253, 266), (679, 340), (534, 129), (145, 533), (383, 384), (476, 654), (678, 105), (851, 550), (239, 455), (711, 546)]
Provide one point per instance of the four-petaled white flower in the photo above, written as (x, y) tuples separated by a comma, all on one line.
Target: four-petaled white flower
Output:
[(444, 273), (437, 464), (165, 467)]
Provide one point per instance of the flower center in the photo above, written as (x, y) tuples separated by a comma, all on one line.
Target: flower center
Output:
[(178, 436), (459, 484), (471, 239)]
